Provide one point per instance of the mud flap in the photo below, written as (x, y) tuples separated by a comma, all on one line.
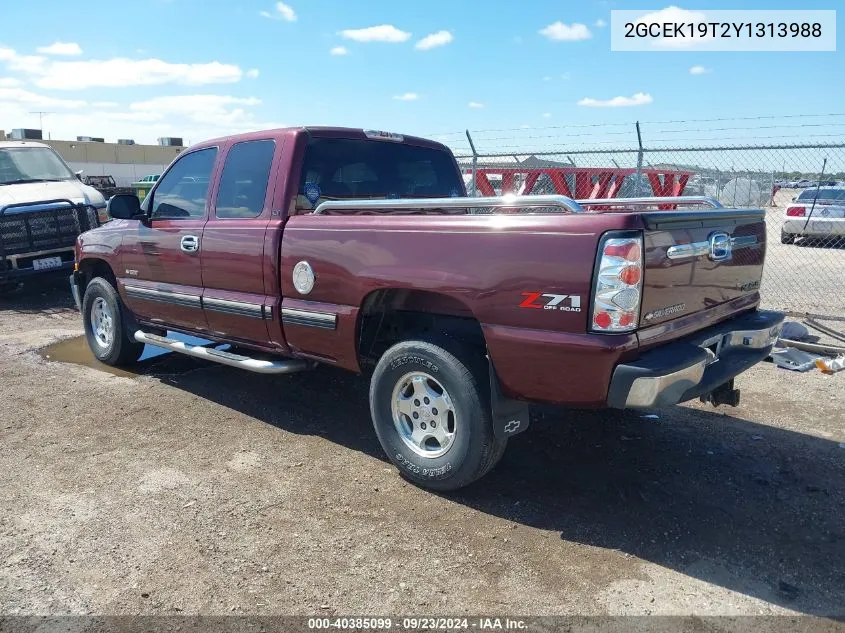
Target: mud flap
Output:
[(510, 417)]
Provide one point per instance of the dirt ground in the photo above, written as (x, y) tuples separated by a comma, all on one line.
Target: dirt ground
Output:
[(194, 488)]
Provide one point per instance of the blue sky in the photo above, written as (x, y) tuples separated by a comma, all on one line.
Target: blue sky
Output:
[(199, 68)]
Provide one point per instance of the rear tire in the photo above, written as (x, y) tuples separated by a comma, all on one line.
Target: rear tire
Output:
[(103, 314), (431, 412), (787, 238)]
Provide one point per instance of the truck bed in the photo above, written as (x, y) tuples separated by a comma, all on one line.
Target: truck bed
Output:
[(487, 266)]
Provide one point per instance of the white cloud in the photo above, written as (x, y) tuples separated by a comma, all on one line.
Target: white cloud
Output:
[(120, 72), (9, 82), (475, 104), (18, 96), (441, 38), (382, 33), (61, 48), (547, 115), (547, 78), (215, 110), (281, 11), (698, 70), (253, 73), (21, 63), (408, 96), (560, 32), (673, 14), (640, 98), (132, 117), (600, 24), (338, 51), (116, 72), (193, 117)]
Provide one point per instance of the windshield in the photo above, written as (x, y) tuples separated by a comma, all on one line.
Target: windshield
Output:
[(31, 164), (835, 195), (348, 168)]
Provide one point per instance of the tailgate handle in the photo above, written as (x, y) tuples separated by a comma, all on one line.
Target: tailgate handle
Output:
[(696, 249)]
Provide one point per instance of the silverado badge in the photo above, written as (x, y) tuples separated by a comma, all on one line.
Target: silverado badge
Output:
[(664, 312)]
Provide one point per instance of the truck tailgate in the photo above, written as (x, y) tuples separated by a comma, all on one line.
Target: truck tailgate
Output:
[(697, 260)]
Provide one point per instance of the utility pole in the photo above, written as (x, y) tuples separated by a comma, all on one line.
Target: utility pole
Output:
[(474, 164), (41, 119)]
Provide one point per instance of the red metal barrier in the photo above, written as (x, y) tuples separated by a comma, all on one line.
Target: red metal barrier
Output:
[(590, 182)]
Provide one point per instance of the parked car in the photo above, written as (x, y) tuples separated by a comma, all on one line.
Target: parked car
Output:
[(816, 213), (43, 208), (105, 185), (150, 178), (360, 250)]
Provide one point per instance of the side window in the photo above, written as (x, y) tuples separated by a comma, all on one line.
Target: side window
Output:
[(183, 191), (243, 185)]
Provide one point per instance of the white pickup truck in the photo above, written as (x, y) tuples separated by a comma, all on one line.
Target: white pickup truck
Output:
[(43, 208)]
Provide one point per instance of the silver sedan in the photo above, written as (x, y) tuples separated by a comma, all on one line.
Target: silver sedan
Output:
[(817, 213)]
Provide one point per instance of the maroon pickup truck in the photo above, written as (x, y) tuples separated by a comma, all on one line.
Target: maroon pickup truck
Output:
[(292, 247)]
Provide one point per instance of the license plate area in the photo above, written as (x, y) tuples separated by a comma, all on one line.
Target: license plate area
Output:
[(47, 263)]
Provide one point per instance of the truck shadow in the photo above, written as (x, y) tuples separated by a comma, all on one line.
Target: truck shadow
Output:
[(753, 508)]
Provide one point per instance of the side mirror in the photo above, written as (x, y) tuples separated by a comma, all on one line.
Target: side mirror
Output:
[(124, 206), (78, 174)]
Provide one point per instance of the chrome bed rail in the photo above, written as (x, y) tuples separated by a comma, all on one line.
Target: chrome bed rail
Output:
[(508, 202), (652, 201), (521, 202)]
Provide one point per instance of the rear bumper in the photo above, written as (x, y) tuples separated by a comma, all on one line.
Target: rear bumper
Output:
[(695, 365), (818, 226)]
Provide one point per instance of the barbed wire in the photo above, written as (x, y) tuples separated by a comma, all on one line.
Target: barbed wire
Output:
[(631, 124), (757, 142)]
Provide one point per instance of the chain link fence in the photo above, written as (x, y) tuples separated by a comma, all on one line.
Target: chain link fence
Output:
[(801, 187)]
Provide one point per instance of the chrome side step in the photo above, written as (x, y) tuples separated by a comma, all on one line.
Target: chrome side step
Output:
[(286, 366)]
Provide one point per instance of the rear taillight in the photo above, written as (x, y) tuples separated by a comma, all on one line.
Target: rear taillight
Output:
[(618, 284), (796, 212)]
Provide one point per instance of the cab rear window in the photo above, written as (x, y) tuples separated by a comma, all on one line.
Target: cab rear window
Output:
[(335, 169)]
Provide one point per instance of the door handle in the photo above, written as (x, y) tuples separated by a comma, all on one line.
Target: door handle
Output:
[(190, 243)]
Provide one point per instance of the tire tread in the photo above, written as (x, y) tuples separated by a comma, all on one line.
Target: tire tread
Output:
[(467, 366)]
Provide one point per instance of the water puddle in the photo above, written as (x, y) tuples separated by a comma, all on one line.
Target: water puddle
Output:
[(154, 359)]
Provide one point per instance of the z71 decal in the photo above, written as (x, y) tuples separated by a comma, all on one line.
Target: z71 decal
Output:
[(547, 301)]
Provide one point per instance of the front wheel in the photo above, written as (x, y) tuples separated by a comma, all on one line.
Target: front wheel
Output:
[(102, 316), (787, 238), (431, 412)]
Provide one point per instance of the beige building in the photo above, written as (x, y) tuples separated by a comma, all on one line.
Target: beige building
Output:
[(125, 163)]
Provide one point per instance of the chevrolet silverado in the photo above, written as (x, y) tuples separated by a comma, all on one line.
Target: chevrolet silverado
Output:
[(293, 247)]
